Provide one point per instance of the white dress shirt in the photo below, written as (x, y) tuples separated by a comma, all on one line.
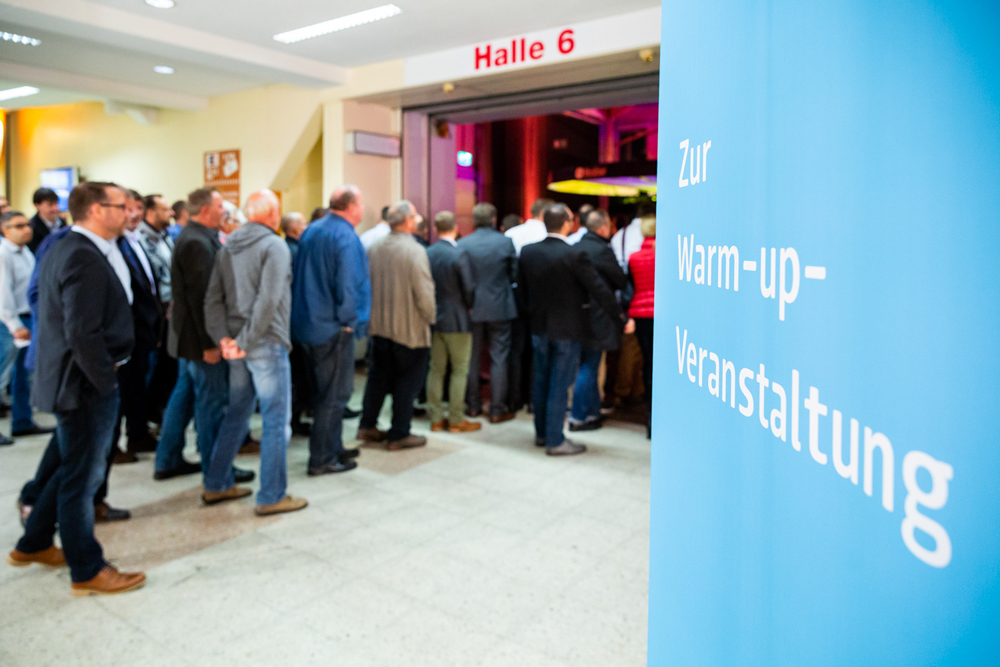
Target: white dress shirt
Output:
[(114, 256), (133, 240), (553, 235), (369, 237), (623, 249), (575, 237), (528, 232), (16, 265)]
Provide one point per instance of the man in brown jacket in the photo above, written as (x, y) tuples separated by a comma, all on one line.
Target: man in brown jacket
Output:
[(402, 313)]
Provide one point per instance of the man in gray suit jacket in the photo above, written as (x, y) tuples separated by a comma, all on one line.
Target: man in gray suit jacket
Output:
[(494, 270), (451, 339)]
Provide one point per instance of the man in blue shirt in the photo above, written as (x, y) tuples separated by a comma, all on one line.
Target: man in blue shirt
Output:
[(331, 306)]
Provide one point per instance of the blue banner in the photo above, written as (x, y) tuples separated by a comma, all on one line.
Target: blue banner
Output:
[(826, 438)]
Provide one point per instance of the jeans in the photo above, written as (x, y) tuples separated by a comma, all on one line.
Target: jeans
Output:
[(498, 335), (8, 356), (332, 364), (202, 390), (20, 387), (84, 438), (264, 374), (398, 370), (456, 348), (32, 489), (586, 395), (555, 367)]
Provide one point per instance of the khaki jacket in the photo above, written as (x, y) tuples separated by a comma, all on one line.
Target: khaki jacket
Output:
[(402, 291)]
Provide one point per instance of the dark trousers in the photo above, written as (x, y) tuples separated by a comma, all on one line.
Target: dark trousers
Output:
[(132, 378), (47, 467), (303, 381), (519, 375), (84, 437), (332, 367), (644, 334), (556, 363), (21, 416), (162, 378), (397, 370), (497, 336)]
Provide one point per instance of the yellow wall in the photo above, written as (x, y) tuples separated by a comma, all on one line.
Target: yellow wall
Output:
[(306, 190)]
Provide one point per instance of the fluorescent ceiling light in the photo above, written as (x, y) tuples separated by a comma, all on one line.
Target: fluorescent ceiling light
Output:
[(11, 93), (19, 39), (343, 23), (163, 69), (160, 4)]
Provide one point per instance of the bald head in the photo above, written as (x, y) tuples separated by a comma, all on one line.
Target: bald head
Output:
[(346, 202), (292, 225), (263, 207)]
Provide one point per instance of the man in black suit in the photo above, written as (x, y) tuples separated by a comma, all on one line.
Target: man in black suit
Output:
[(605, 333), (494, 268), (451, 340), (557, 282), (85, 332), (46, 219)]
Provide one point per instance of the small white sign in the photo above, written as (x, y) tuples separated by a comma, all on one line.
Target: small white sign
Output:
[(634, 30)]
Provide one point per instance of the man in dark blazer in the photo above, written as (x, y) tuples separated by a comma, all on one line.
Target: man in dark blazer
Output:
[(46, 219), (451, 339), (202, 388), (605, 333), (494, 269), (557, 282), (85, 333)]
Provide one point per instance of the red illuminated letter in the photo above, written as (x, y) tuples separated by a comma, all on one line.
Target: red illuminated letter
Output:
[(483, 56), (566, 42), (536, 50)]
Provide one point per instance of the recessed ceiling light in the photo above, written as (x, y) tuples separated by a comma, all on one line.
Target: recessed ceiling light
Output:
[(342, 23), (163, 69), (160, 4), (19, 39), (11, 93)]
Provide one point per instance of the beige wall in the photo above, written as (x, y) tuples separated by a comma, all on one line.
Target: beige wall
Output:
[(306, 190)]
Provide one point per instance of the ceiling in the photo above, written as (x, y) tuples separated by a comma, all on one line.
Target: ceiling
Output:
[(106, 49)]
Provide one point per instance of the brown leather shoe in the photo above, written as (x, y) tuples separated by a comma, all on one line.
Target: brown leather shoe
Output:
[(124, 457), (286, 504), (372, 435), (232, 493), (440, 426), (464, 427), (51, 557), (109, 581), (409, 442), (250, 446), (505, 417)]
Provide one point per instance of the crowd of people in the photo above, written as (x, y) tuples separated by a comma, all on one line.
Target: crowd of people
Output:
[(146, 313)]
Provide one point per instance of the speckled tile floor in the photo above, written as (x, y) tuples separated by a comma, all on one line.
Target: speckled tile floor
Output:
[(480, 551)]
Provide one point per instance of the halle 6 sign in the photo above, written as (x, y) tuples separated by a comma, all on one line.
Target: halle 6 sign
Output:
[(222, 172)]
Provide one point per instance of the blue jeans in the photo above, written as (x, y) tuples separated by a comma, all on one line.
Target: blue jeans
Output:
[(201, 391), (556, 362), (264, 374), (8, 355), (332, 363), (586, 396), (84, 442), (20, 388)]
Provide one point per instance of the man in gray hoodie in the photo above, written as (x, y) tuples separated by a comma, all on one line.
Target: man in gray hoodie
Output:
[(247, 312)]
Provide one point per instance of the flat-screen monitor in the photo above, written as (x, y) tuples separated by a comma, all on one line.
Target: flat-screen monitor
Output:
[(62, 180)]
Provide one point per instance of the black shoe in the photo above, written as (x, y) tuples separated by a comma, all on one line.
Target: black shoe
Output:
[(185, 468), (302, 428), (351, 414), (339, 466), (539, 442), (591, 425), (34, 429), (474, 413), (419, 412), (5, 441), (145, 443), (104, 513), (243, 476), (348, 454)]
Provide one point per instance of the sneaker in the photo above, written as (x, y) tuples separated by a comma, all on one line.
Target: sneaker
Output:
[(109, 581), (464, 427), (286, 504), (51, 557), (409, 442), (232, 493), (567, 448), (372, 435)]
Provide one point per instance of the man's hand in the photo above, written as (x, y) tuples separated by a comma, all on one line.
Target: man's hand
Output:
[(22, 334), (630, 326), (212, 356), (347, 329), (230, 350)]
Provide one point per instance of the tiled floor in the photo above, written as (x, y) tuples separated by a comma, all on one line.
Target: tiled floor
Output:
[(479, 551)]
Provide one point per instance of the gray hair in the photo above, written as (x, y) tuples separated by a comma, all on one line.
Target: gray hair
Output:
[(596, 219), (400, 212), (289, 220)]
